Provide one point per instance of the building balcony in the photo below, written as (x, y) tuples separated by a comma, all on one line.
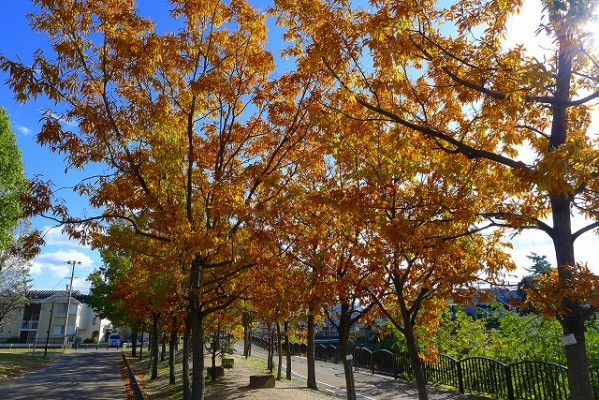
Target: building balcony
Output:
[(29, 325)]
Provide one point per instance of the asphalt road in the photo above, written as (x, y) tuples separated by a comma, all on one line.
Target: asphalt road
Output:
[(330, 376), (79, 375)]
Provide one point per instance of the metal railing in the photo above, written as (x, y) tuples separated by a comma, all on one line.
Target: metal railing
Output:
[(518, 381), (525, 380)]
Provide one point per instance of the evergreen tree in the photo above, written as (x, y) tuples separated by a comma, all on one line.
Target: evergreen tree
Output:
[(540, 266)]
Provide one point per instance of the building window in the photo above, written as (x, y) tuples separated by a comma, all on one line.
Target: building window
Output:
[(58, 330), (62, 308), (94, 320)]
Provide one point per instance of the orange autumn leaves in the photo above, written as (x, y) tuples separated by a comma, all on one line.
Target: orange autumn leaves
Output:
[(206, 148), (551, 293)]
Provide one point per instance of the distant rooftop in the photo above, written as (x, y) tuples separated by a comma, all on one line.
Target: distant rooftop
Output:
[(44, 294)]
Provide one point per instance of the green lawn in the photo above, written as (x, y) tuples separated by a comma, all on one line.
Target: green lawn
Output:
[(17, 362)]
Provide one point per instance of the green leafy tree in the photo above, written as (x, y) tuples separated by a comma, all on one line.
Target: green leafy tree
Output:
[(540, 266), (517, 337), (14, 285), (115, 266), (460, 335), (14, 273), (13, 183)]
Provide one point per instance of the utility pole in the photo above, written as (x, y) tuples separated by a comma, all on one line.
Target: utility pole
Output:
[(66, 321), (48, 332)]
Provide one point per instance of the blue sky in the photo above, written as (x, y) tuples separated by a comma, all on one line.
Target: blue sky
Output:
[(50, 270)]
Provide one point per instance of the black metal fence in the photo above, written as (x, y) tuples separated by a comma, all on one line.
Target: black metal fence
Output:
[(525, 380), (519, 381)]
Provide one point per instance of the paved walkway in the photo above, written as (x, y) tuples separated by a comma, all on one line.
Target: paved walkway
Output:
[(81, 375), (368, 386)]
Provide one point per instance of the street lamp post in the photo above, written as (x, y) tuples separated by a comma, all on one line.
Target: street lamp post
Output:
[(66, 321)]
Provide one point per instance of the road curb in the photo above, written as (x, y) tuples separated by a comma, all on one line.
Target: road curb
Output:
[(139, 394)]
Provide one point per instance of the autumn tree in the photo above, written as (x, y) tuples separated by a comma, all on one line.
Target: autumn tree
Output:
[(445, 74), (276, 295), (418, 227), (190, 129), (326, 237), (299, 232), (316, 240)]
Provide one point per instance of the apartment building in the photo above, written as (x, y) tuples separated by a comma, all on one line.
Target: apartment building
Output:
[(45, 319)]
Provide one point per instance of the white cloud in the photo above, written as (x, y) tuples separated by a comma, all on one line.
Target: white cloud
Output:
[(529, 241), (52, 270), (536, 241), (55, 237), (23, 130), (68, 123), (56, 263), (35, 268)]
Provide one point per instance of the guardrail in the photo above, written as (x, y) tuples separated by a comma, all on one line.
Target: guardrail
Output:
[(97, 346), (30, 345), (74, 346)]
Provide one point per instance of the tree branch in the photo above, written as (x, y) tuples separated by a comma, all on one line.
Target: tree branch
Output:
[(585, 229)]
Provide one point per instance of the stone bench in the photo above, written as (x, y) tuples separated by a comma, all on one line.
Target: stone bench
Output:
[(220, 371), (265, 381)]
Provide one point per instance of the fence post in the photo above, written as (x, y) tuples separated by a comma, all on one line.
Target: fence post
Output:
[(460, 377), (510, 385), (372, 362)]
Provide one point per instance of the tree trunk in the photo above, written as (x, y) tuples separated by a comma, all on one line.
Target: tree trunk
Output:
[(247, 339), (415, 360), (287, 352), (270, 363), (172, 344), (163, 351), (579, 378), (344, 329), (311, 362), (154, 345), (186, 350), (214, 352), (141, 343), (134, 343), (279, 351), (197, 332)]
